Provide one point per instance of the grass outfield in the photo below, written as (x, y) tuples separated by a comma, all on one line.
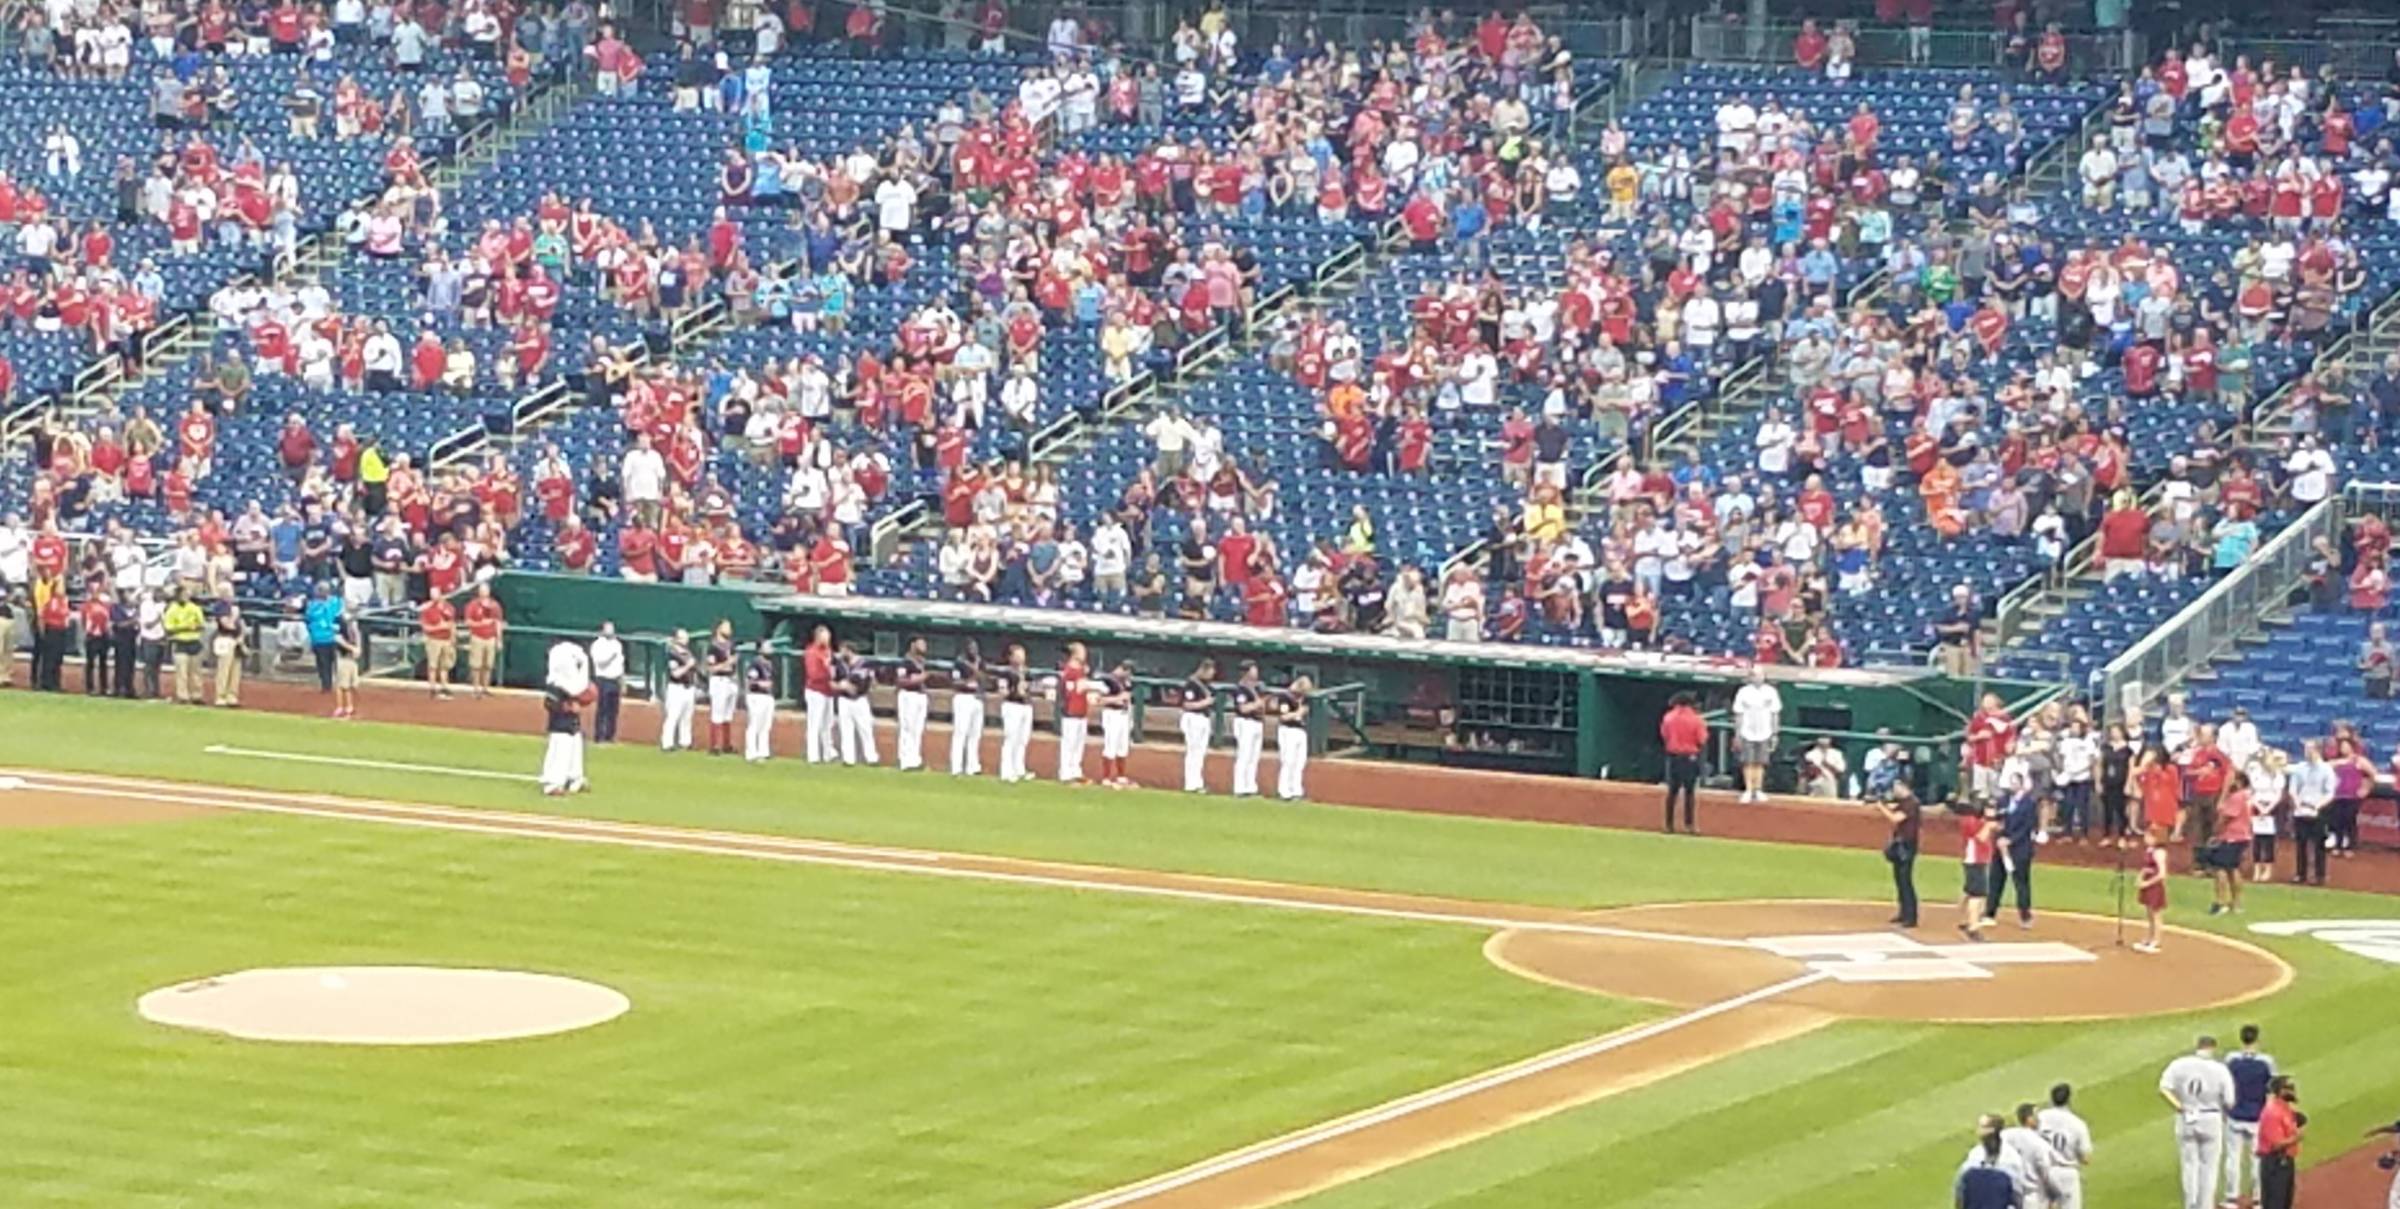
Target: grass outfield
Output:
[(819, 1036)]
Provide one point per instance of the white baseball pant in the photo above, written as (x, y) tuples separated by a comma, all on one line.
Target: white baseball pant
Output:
[(675, 727), (1195, 751), (912, 708), (2067, 1188), (758, 737), (1072, 732), (1249, 743), (1291, 762), (2200, 1146), (724, 697), (857, 721), (1116, 733), (966, 735), (562, 764), (2241, 1159), (817, 723), (1016, 734)]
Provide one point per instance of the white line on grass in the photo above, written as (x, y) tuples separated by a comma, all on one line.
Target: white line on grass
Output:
[(1342, 1127), (826, 853), (293, 757)]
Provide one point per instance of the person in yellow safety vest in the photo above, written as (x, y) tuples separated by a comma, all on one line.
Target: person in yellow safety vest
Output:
[(183, 622)]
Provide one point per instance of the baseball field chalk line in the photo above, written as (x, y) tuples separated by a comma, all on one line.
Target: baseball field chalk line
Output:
[(1318, 1135), (293, 757), (834, 854)]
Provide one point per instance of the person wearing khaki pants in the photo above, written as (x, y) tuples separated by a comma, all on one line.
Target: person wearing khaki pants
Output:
[(182, 623), (226, 646)]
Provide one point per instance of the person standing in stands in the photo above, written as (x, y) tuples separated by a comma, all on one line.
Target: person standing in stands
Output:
[(1074, 714), (682, 694), (1116, 725), (183, 623), (486, 622), (816, 695), (854, 709), (758, 705), (1198, 699), (723, 665), (1907, 817), (437, 620), (1249, 730), (1682, 732), (911, 704), (1015, 685), (966, 712), (608, 679), (1289, 707), (227, 644)]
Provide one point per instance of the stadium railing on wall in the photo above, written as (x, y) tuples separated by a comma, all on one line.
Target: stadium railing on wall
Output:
[(2232, 607), (1716, 39)]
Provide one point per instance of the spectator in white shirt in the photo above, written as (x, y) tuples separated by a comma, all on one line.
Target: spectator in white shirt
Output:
[(643, 477)]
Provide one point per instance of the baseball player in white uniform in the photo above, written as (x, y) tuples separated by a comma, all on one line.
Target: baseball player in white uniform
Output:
[(2199, 1089), (910, 702), (1016, 716), (1289, 708), (566, 691), (682, 694), (2070, 1145), (966, 712), (1116, 725), (2040, 1160), (854, 710), (724, 689), (1249, 730), (1198, 698), (1074, 712), (758, 705)]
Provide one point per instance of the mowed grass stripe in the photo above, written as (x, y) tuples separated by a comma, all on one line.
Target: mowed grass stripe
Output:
[(892, 1039)]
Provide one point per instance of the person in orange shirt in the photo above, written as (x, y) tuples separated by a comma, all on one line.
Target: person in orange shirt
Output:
[(485, 623), (438, 620)]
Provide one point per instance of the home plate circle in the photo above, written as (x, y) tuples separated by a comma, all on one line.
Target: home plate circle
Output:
[(383, 1005)]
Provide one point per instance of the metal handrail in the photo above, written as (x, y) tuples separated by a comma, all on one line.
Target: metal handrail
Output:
[(2119, 673)]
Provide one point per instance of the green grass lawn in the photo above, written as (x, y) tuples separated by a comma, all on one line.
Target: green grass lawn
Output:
[(816, 1036)]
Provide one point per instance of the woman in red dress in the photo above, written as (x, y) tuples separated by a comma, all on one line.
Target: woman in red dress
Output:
[(2152, 886)]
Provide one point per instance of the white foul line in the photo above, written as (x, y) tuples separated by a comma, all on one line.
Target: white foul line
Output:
[(1434, 1098), (810, 852), (220, 749)]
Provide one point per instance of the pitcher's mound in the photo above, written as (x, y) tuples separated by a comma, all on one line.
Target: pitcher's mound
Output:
[(383, 1005)]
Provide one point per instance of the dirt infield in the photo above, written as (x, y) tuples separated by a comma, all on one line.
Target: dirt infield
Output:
[(26, 807), (1744, 974), (1421, 788), (2018, 981), (2352, 1181)]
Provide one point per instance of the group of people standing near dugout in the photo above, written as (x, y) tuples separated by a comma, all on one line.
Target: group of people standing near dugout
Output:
[(738, 684)]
